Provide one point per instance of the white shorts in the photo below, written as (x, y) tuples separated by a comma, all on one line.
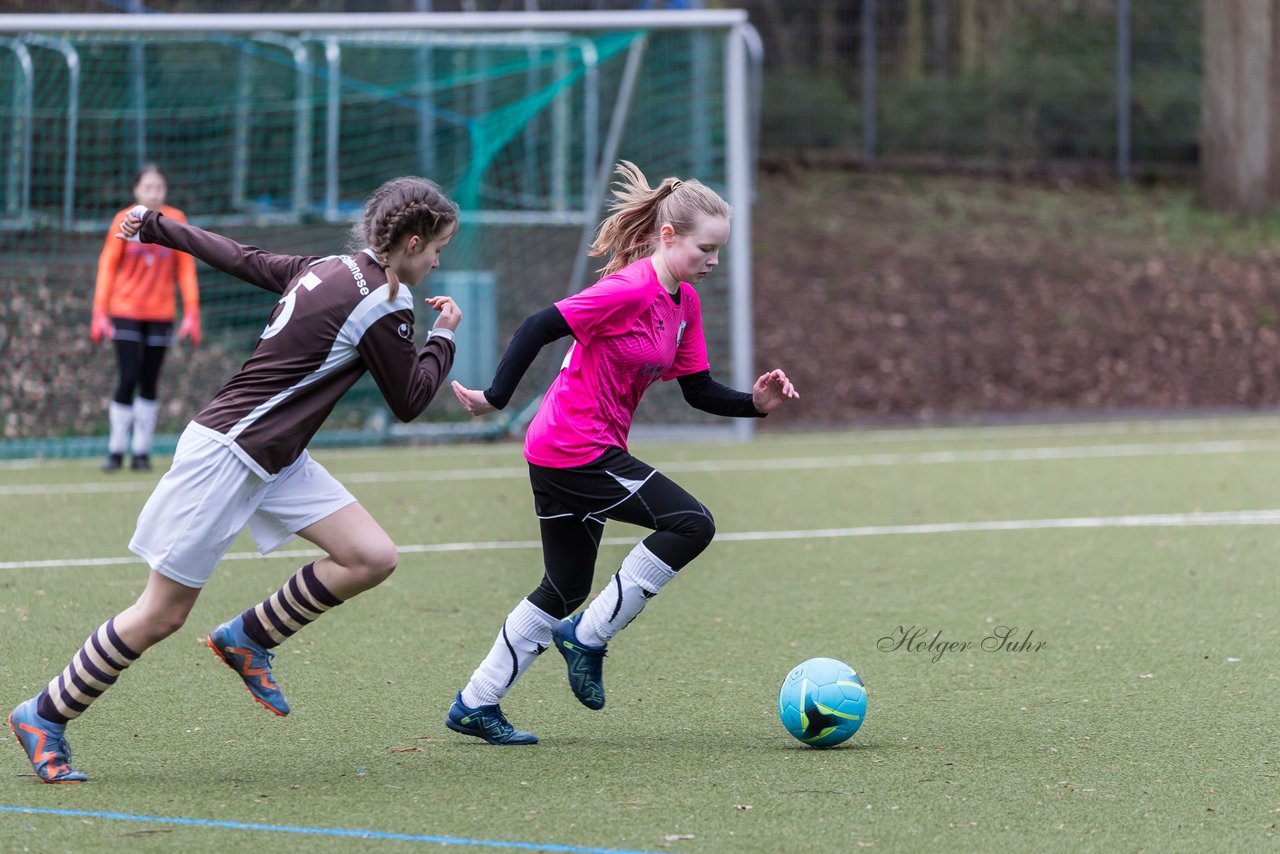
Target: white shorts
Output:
[(209, 496)]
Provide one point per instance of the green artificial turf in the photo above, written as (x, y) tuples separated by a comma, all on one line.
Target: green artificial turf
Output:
[(1143, 720)]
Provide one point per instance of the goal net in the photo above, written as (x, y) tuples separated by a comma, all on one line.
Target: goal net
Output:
[(273, 129)]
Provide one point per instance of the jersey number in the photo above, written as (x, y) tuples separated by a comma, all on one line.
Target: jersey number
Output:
[(309, 281)]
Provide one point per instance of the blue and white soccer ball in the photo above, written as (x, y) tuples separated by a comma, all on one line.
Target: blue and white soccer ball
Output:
[(822, 702)]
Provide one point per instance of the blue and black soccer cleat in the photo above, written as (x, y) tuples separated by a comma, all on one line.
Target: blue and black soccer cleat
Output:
[(487, 722), (247, 657), (45, 744), (586, 663)]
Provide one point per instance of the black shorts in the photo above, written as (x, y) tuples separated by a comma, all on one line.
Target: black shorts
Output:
[(148, 333), (587, 491)]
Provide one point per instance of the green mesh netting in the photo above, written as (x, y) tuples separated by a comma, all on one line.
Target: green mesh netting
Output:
[(276, 140)]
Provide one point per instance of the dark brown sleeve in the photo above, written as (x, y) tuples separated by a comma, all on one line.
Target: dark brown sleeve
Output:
[(407, 377), (256, 266)]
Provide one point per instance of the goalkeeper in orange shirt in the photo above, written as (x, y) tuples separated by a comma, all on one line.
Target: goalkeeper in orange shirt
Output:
[(134, 306)]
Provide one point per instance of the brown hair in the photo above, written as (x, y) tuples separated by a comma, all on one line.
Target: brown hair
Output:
[(402, 207), (145, 170), (639, 211)]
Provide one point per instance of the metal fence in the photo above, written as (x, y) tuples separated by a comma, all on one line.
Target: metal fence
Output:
[(1103, 82), (1110, 84)]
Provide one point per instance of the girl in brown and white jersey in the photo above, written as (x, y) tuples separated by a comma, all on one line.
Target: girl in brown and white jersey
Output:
[(242, 462)]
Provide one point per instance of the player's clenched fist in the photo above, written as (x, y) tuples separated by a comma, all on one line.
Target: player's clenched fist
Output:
[(132, 223), (450, 314)]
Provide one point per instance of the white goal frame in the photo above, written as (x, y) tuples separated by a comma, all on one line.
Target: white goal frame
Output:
[(742, 58)]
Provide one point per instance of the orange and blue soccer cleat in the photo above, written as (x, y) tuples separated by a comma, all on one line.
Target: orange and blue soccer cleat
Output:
[(45, 743), (487, 722), (586, 663), (247, 657)]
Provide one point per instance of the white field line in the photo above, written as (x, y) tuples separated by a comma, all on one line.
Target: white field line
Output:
[(1050, 453), (1159, 520), (1050, 431)]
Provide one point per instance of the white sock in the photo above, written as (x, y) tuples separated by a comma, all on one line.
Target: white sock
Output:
[(525, 634), (638, 580), (120, 417), (144, 425)]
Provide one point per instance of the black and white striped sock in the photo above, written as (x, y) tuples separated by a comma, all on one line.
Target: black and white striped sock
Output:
[(281, 615), (92, 670)]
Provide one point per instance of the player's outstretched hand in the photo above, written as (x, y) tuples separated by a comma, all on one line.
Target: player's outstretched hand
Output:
[(132, 223), (450, 314), (473, 399), (771, 390)]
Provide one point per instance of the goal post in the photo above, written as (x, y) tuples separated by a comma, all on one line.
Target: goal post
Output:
[(273, 128)]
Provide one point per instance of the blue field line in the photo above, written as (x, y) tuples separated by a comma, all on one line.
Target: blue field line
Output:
[(320, 831)]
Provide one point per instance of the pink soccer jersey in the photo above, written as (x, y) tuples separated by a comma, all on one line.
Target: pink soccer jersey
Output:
[(628, 333)]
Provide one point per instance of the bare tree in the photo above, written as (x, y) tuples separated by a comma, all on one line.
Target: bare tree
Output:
[(1240, 106), (913, 41), (970, 38), (782, 36)]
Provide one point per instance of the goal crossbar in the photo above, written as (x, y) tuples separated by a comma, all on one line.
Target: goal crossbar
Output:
[(692, 19)]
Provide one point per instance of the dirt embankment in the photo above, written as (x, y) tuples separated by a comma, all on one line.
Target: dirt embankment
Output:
[(891, 298)]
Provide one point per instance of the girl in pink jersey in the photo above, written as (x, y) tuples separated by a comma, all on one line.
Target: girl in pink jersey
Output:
[(639, 323), (242, 462)]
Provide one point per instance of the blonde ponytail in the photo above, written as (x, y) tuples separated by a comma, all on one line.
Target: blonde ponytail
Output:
[(639, 211)]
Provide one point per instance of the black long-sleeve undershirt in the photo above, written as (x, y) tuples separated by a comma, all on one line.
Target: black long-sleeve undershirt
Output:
[(537, 331), (702, 392), (541, 328)]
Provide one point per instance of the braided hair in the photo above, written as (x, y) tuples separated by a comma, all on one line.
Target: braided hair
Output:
[(399, 208), (639, 211)]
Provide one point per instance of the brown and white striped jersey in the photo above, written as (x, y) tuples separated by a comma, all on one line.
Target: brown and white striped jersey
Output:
[(334, 321)]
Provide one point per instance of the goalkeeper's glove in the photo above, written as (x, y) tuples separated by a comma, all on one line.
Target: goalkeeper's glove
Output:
[(100, 327), (190, 327)]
